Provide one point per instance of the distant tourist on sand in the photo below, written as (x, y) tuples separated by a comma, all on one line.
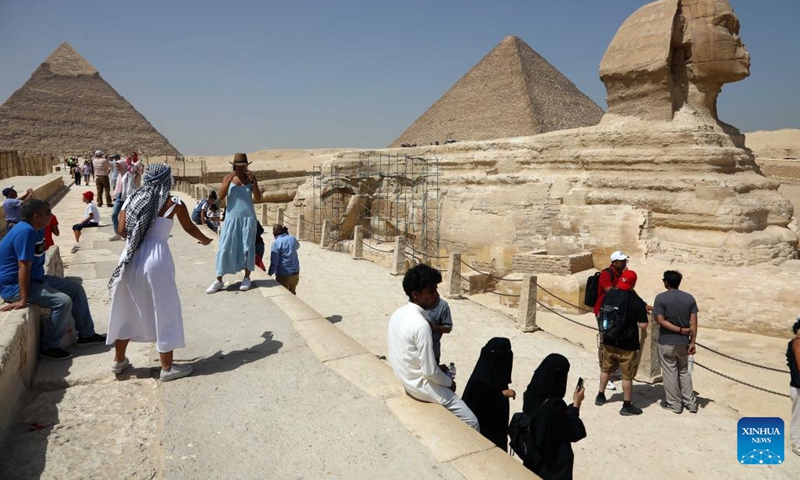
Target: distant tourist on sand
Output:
[(145, 306), (102, 170), (283, 260), (487, 392), (675, 312), (411, 346), (237, 237), (554, 425), (122, 191), (23, 281), (91, 219), (76, 172), (86, 170), (608, 280), (12, 205), (793, 360), (211, 218), (202, 207), (137, 168)]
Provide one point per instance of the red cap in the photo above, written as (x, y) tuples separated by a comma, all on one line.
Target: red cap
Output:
[(89, 195), (627, 280)]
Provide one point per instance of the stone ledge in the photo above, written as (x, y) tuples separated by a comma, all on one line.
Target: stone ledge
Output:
[(51, 189), (449, 439)]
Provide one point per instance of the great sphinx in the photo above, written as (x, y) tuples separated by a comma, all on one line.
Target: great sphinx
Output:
[(660, 175)]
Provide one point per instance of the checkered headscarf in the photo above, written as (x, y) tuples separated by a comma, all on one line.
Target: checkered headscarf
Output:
[(142, 210)]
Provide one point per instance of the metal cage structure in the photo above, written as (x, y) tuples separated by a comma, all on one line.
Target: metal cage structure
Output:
[(388, 195)]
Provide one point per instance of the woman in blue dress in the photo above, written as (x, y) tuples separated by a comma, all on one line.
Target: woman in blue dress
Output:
[(237, 235)]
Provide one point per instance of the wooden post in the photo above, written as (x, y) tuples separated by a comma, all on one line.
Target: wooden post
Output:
[(280, 215), (454, 280), (358, 243), (301, 229), (326, 227), (399, 257), (526, 319), (264, 215)]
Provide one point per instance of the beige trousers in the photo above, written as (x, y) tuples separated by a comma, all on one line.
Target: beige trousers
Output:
[(677, 380)]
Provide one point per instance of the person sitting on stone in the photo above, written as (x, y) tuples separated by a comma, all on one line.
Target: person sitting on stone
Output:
[(91, 219), (12, 205), (410, 346), (211, 218), (23, 281)]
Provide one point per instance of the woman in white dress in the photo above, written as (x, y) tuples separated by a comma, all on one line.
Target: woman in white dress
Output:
[(145, 306)]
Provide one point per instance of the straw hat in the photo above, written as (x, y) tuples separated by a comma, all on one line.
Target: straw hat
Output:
[(240, 159)]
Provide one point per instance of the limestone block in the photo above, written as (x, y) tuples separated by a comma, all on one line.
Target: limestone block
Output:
[(326, 341), (492, 463), (370, 374)]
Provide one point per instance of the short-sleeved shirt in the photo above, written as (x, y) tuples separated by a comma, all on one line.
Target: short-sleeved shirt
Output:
[(608, 279), (677, 308), (101, 166), (440, 315), (22, 243), (12, 208), (92, 208)]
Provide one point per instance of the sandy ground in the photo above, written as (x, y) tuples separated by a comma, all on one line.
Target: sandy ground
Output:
[(361, 295), (775, 143)]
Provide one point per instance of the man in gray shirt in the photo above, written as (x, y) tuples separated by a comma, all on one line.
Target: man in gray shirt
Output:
[(441, 322), (675, 312)]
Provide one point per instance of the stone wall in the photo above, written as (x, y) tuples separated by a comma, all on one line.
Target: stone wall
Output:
[(536, 263)]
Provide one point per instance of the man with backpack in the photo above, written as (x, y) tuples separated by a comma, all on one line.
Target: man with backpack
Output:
[(620, 313), (605, 281)]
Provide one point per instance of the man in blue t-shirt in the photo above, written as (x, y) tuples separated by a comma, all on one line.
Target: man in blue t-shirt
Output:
[(283, 260), (23, 281)]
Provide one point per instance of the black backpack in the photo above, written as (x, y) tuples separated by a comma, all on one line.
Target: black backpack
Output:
[(519, 436), (614, 314), (592, 286)]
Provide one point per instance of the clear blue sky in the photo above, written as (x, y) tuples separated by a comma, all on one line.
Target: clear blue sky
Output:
[(217, 77)]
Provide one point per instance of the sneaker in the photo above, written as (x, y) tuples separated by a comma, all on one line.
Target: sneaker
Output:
[(600, 400), (215, 287), (663, 404), (115, 238), (75, 248), (610, 385), (692, 409), (95, 339), (118, 367), (629, 409), (55, 354), (245, 286), (176, 372)]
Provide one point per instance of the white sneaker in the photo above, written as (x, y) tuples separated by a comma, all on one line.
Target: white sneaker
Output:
[(176, 372), (75, 248), (215, 287), (115, 238), (118, 367), (245, 286), (611, 386)]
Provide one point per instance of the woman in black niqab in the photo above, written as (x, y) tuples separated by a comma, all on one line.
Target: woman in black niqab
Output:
[(487, 392), (554, 425)]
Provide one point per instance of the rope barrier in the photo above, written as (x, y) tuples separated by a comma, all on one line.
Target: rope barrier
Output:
[(490, 275), (377, 249), (779, 370), (562, 300), (565, 317), (425, 254), (741, 382)]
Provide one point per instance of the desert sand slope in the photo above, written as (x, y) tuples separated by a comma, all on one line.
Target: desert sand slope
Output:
[(778, 144)]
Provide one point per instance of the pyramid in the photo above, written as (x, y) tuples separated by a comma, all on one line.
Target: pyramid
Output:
[(513, 91), (67, 108)]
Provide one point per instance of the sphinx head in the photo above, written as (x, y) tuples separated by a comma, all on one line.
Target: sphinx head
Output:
[(711, 31), (672, 55)]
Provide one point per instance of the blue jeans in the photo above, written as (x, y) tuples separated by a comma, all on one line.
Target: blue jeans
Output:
[(63, 298), (115, 212)]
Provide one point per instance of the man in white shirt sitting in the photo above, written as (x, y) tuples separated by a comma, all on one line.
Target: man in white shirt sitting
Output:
[(410, 342)]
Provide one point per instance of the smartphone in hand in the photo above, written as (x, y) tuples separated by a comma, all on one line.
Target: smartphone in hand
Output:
[(580, 383)]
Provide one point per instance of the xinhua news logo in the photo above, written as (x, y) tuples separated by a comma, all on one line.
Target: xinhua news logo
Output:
[(760, 441)]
